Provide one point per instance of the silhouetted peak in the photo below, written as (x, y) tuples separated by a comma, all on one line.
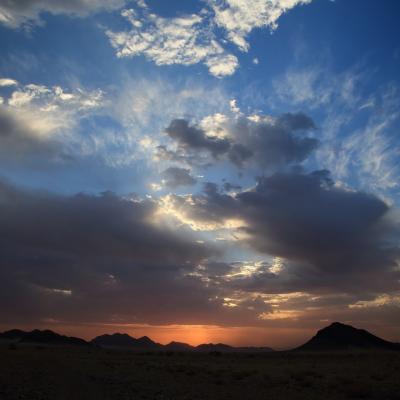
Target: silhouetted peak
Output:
[(214, 347), (338, 336), (145, 339), (173, 343), (115, 339), (124, 340), (119, 335), (340, 326), (178, 346)]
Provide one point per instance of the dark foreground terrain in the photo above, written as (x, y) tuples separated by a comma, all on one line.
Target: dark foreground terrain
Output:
[(45, 372)]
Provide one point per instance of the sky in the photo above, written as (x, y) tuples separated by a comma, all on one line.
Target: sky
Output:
[(200, 170)]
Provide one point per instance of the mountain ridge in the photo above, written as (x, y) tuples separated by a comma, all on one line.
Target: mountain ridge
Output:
[(336, 336), (37, 336)]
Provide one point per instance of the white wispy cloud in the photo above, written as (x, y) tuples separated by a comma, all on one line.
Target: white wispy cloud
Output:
[(239, 18), (185, 40), (119, 128), (192, 39), (38, 120), (359, 144), (51, 109), (7, 82), (373, 152), (166, 41)]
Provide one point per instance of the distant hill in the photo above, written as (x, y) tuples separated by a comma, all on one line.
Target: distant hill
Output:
[(12, 335), (123, 340), (50, 337), (40, 337), (224, 348), (207, 347), (118, 340), (339, 336), (178, 346)]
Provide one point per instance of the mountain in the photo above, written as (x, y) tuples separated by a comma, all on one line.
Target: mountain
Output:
[(178, 346), (224, 348), (123, 340), (50, 337), (146, 342), (12, 335), (41, 337), (206, 347), (114, 340), (339, 336)]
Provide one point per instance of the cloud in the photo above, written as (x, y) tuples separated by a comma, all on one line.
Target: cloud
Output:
[(185, 40), (192, 39), (318, 86), (104, 251), (192, 138), (275, 142), (150, 102), (368, 154), (36, 121), (175, 177), (358, 127), (166, 41), (304, 217), (142, 108), (18, 140), (14, 13), (238, 19), (332, 238), (7, 82), (105, 259), (265, 141)]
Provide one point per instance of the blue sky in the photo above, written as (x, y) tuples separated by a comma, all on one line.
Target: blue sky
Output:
[(207, 112)]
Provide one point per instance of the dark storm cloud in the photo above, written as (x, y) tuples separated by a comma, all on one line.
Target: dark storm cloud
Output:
[(192, 138), (304, 217), (332, 238), (276, 142), (238, 154), (102, 258), (269, 143), (92, 245), (175, 177)]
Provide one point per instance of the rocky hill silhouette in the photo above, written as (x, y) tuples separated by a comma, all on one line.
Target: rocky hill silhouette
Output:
[(123, 340), (12, 335), (179, 346), (338, 336), (41, 337)]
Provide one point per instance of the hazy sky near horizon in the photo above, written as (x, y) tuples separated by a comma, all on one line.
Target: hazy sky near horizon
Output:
[(201, 170)]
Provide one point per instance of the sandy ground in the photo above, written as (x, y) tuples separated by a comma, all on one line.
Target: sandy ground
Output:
[(38, 372)]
